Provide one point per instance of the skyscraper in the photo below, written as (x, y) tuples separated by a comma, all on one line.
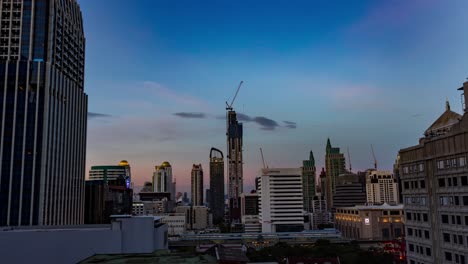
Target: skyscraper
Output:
[(43, 113), (162, 179), (111, 172), (381, 187), (335, 165), (216, 201), (197, 185), (308, 181), (234, 157)]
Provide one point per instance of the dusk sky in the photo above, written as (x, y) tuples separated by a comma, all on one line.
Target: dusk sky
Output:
[(158, 74)]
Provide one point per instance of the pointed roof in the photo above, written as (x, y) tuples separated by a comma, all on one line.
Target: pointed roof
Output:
[(328, 144), (311, 157), (444, 122)]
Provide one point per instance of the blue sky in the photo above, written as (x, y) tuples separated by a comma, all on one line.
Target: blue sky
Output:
[(359, 72)]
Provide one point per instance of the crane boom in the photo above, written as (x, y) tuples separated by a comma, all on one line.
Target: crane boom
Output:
[(349, 159), (373, 155), (235, 95)]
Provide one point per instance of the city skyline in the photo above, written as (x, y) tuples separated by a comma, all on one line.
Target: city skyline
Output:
[(353, 72)]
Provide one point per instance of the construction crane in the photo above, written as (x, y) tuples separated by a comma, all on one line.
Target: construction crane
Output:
[(349, 160), (373, 155), (263, 159), (229, 106)]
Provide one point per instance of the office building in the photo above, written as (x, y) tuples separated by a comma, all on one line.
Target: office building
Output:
[(435, 191), (197, 217), (350, 190), (162, 179), (235, 162), (308, 181), (320, 215), (381, 187), (43, 113), (197, 185), (281, 200), (335, 166), (374, 222), (216, 199), (250, 212), (176, 223), (111, 172), (106, 198)]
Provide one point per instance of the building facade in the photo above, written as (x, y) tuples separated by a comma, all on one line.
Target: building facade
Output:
[(197, 217), (162, 179), (350, 190), (334, 166), (176, 223), (377, 222), (197, 185), (43, 113), (216, 201), (281, 200), (111, 172), (320, 214), (381, 187), (434, 175), (308, 181), (106, 198)]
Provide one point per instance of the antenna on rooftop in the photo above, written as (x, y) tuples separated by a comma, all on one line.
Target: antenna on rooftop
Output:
[(373, 155)]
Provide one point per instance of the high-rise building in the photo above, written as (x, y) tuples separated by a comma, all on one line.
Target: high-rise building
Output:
[(216, 200), (335, 166), (162, 179), (434, 175), (281, 201), (104, 198), (350, 190), (381, 187), (234, 157), (197, 185), (308, 181), (320, 215), (111, 172), (43, 113), (249, 212)]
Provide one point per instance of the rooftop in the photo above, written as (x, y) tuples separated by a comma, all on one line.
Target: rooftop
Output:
[(384, 206)]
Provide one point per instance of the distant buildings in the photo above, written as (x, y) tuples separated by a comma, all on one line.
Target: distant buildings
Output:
[(281, 200), (197, 185), (111, 172), (162, 179), (105, 198), (308, 181), (43, 112), (197, 217), (216, 201), (350, 190), (335, 166), (378, 222), (320, 214), (435, 191), (176, 223), (381, 187)]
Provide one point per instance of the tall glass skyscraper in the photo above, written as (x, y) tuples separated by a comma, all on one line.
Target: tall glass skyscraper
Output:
[(43, 113)]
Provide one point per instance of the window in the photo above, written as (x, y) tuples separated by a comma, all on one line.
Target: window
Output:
[(406, 185), (460, 239), (423, 184), (445, 219), (448, 256), (465, 200), (425, 218), (411, 247), (455, 181), (442, 182), (426, 234), (459, 220), (456, 200), (449, 182), (421, 167), (428, 251), (462, 161), (408, 216), (464, 180), (446, 237), (410, 231)]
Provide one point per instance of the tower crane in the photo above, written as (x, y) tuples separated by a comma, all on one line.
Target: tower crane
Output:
[(373, 155), (349, 159), (229, 106)]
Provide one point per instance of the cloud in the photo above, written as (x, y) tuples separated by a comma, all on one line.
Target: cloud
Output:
[(244, 117), (173, 95), (190, 115), (265, 123), (290, 124), (92, 115)]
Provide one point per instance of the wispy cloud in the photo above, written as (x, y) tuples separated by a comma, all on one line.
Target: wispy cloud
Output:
[(290, 124), (190, 115), (265, 123), (92, 115)]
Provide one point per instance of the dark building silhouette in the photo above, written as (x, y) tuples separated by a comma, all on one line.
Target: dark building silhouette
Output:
[(335, 166), (235, 163), (197, 185), (105, 198), (350, 190), (216, 199), (43, 113), (308, 181)]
